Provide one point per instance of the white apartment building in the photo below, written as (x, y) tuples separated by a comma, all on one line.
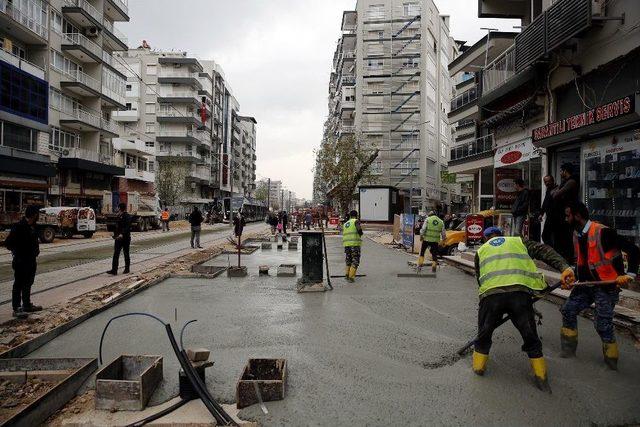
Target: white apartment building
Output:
[(391, 87)]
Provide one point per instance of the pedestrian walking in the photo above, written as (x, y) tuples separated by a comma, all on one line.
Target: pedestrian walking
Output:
[(285, 222), (431, 233), (352, 242), (308, 219), (122, 240), (507, 279), (23, 243), (520, 208), (238, 223), (164, 219), (195, 219), (599, 258), (552, 211), (567, 193)]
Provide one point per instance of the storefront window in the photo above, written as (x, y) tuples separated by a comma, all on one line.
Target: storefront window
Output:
[(612, 183)]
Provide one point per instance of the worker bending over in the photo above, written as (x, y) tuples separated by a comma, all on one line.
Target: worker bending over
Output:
[(508, 279), (431, 233), (598, 250), (352, 241)]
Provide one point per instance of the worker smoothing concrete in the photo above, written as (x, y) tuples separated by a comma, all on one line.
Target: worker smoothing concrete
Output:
[(431, 233), (598, 250), (507, 279), (352, 242)]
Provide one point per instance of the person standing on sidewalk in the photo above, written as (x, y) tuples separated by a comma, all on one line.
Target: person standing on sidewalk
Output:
[(122, 240), (352, 242), (164, 218), (25, 248), (195, 219), (308, 219), (599, 258), (520, 208)]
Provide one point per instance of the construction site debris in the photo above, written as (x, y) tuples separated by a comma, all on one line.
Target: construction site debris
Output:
[(15, 396)]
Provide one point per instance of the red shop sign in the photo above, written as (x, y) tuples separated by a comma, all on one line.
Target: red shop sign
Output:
[(474, 227)]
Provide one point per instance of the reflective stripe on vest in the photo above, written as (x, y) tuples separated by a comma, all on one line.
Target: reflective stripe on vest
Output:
[(164, 216), (434, 229), (597, 258), (504, 261), (350, 236)]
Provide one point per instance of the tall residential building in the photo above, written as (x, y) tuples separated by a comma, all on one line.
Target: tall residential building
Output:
[(390, 87)]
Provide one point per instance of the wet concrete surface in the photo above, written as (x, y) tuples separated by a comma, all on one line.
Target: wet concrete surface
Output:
[(377, 352)]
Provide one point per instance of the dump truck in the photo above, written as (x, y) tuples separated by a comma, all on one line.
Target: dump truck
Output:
[(143, 208), (65, 221)]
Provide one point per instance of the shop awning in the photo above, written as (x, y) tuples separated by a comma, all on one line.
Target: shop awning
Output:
[(26, 167), (88, 165)]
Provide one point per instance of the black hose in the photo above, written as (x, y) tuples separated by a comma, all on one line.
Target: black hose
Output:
[(182, 332), (104, 331), (165, 411)]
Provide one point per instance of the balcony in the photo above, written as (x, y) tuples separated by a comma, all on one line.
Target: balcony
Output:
[(178, 97), (199, 174), (175, 153), (113, 99), (29, 29), (114, 38), (179, 76), (88, 160), (110, 127), (135, 147), (22, 64), (82, 13), (189, 137), (139, 175), (478, 148), (81, 48), (117, 10), (84, 154), (173, 116), (79, 83), (348, 80), (465, 105), (80, 120), (127, 116)]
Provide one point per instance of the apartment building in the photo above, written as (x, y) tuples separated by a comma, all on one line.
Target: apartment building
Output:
[(564, 90), (391, 88), (248, 155)]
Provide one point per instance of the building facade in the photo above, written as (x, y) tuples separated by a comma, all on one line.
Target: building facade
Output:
[(390, 87)]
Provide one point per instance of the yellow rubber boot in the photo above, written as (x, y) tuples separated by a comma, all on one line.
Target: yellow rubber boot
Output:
[(346, 273), (434, 266), (539, 367), (352, 274), (611, 354), (568, 342), (420, 261), (479, 363)]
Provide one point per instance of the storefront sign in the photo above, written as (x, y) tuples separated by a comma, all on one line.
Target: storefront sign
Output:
[(506, 187), (474, 226), (515, 153), (599, 114), (408, 221)]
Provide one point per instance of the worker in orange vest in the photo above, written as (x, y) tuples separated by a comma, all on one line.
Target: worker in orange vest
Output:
[(599, 258), (164, 218)]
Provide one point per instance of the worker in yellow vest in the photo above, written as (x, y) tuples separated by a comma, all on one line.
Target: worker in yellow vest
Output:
[(352, 242), (431, 233), (507, 279)]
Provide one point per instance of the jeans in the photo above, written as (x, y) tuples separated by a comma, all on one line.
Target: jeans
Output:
[(195, 236), (605, 299), (518, 305), (123, 245), (24, 273), (518, 222), (165, 225)]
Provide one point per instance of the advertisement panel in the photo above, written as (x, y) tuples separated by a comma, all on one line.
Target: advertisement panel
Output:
[(512, 154), (505, 189), (408, 222), (474, 227)]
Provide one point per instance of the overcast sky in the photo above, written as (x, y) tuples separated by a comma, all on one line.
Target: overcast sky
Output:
[(276, 55)]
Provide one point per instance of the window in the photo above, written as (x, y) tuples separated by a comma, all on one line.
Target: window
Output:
[(150, 127), (23, 94), (443, 149), (64, 65), (56, 21), (150, 144), (376, 11), (376, 88), (411, 9), (20, 137), (152, 69), (128, 87), (375, 64), (61, 140), (444, 127), (113, 82), (431, 66), (411, 62), (128, 105), (150, 108)]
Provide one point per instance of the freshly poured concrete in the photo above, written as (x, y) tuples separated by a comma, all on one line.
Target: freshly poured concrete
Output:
[(377, 352)]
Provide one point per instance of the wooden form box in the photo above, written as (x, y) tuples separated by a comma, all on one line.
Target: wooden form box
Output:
[(270, 375)]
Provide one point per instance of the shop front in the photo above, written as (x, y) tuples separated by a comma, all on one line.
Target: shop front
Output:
[(604, 144)]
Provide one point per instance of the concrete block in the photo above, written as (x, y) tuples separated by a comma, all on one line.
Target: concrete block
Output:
[(128, 382), (280, 246), (286, 270), (263, 270), (268, 376), (267, 245), (293, 246), (198, 354), (293, 239), (237, 271)]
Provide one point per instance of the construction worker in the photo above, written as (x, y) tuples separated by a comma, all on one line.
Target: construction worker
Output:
[(431, 233), (599, 258), (508, 279), (164, 219), (352, 242)]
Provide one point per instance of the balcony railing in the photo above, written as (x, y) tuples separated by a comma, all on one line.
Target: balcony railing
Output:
[(178, 94), (110, 126), (108, 59), (80, 40), (122, 4), (348, 79), (119, 97), (481, 145), (87, 7), (175, 153), (80, 77), (467, 97), (170, 72), (26, 21), (500, 70), (23, 64), (82, 115), (81, 153), (113, 30)]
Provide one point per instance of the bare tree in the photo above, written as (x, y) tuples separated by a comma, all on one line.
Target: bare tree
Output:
[(170, 181), (262, 191)]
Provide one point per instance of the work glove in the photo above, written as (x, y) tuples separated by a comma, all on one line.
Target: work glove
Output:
[(623, 280), (567, 279)]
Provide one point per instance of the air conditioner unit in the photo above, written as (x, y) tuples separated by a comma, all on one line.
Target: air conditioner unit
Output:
[(91, 31), (65, 152)]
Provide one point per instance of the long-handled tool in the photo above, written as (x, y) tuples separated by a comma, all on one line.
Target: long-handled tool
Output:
[(541, 295), (326, 256)]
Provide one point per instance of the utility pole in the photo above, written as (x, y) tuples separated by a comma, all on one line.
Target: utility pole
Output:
[(289, 204), (281, 199), (269, 194)]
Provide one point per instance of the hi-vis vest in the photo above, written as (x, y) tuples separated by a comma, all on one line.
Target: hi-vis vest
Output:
[(504, 261), (350, 236), (164, 216), (597, 258), (434, 229)]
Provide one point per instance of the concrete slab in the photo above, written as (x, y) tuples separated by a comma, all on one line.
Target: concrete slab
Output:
[(379, 353)]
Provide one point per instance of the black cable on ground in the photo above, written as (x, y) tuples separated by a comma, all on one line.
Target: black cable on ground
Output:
[(104, 331), (165, 411)]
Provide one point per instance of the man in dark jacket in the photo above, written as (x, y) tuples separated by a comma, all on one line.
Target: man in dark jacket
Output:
[(195, 219), (122, 240), (566, 194), (23, 244), (238, 223), (520, 208)]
